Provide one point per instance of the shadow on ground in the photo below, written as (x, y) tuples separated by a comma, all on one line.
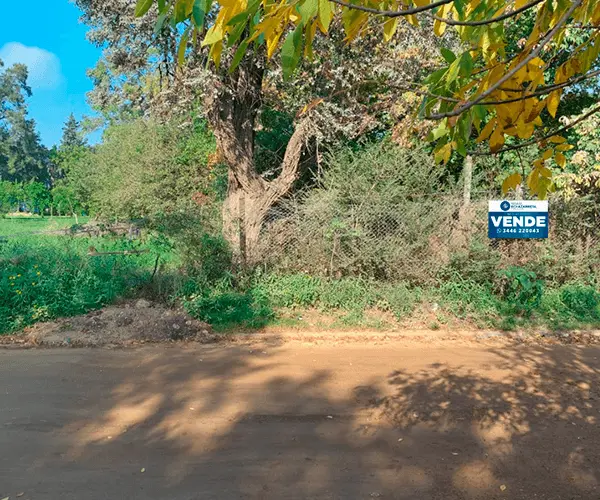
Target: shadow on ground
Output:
[(304, 422)]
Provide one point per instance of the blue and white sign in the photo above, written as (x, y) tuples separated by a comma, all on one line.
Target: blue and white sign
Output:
[(518, 219)]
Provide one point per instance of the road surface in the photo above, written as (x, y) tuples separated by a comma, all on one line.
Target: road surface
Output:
[(301, 420)]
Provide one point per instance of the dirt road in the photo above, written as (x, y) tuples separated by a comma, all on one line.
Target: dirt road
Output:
[(300, 420)]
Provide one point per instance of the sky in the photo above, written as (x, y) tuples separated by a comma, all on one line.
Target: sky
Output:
[(52, 43)]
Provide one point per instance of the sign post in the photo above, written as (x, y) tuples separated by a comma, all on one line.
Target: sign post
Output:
[(518, 219)]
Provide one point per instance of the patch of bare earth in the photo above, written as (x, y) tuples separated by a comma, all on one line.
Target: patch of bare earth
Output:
[(130, 323)]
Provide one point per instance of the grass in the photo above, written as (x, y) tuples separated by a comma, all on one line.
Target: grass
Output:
[(44, 277), (19, 225)]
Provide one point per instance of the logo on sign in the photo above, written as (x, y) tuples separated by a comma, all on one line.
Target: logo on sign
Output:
[(518, 219)]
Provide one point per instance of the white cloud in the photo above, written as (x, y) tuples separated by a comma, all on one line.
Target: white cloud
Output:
[(44, 67)]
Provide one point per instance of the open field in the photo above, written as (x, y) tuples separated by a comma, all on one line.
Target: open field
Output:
[(25, 224)]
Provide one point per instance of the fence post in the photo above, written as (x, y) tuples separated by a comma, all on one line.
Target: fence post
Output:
[(468, 181)]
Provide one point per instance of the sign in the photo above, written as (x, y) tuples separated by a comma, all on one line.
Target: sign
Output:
[(518, 219)]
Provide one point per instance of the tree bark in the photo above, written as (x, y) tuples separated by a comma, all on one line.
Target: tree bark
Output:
[(233, 113)]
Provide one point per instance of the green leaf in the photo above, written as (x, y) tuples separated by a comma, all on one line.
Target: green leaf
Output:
[(308, 9), (239, 54), (183, 8), (235, 34), (291, 51), (440, 131), (160, 22), (448, 55), (162, 5), (466, 64), (436, 76), (142, 7), (198, 13), (182, 47), (325, 13)]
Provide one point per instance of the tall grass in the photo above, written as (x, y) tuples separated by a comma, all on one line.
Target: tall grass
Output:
[(46, 277)]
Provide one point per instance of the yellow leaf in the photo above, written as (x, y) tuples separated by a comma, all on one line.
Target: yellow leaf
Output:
[(545, 172), (497, 139), (552, 102), (487, 130), (412, 19), (511, 182), (557, 139), (389, 28), (442, 155), (533, 180), (439, 27), (213, 35), (548, 154), (564, 147), (560, 159)]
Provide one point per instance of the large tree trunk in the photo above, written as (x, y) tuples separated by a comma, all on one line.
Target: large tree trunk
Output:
[(249, 197)]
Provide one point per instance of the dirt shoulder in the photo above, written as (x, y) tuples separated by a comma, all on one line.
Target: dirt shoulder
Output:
[(142, 322)]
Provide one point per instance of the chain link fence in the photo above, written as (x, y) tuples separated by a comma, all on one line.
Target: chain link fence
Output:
[(425, 237)]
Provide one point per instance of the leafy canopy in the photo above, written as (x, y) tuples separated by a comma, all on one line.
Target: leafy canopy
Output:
[(502, 92)]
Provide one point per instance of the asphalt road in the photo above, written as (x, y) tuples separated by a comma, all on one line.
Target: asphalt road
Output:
[(347, 421)]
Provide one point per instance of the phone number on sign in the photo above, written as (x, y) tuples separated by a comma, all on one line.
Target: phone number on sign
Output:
[(520, 230)]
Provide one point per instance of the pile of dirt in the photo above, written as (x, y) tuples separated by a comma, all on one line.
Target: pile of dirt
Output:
[(130, 323)]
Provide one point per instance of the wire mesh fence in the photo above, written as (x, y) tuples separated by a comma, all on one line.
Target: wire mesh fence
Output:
[(424, 237)]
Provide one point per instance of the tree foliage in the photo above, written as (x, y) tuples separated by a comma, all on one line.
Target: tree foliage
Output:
[(22, 156), (503, 92), (143, 169)]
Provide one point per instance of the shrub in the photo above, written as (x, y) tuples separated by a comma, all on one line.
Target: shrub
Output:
[(398, 299), (522, 289), (347, 293), (582, 300), (465, 298), (296, 290), (223, 308)]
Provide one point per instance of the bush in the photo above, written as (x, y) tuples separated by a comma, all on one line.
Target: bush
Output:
[(522, 290), (224, 308), (582, 300), (465, 298), (296, 290), (398, 299)]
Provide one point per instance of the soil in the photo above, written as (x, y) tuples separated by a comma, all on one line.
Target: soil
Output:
[(133, 323), (400, 419), (129, 323)]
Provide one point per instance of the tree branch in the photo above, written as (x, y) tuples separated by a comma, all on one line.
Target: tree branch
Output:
[(544, 90), (531, 142), (392, 13), (533, 54), (291, 160), (452, 22)]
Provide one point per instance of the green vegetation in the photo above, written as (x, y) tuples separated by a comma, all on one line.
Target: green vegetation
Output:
[(32, 224), (47, 277), (261, 198)]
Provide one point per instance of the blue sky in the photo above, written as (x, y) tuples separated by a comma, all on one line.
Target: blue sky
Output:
[(53, 45)]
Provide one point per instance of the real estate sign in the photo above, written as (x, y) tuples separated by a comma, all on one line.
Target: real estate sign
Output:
[(518, 219)]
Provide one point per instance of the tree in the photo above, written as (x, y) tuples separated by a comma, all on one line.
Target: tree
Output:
[(143, 169), (492, 88), (22, 156), (37, 197), (325, 104), (72, 136), (11, 194), (66, 201)]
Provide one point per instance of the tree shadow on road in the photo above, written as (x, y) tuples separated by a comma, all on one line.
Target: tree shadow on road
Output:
[(243, 422)]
